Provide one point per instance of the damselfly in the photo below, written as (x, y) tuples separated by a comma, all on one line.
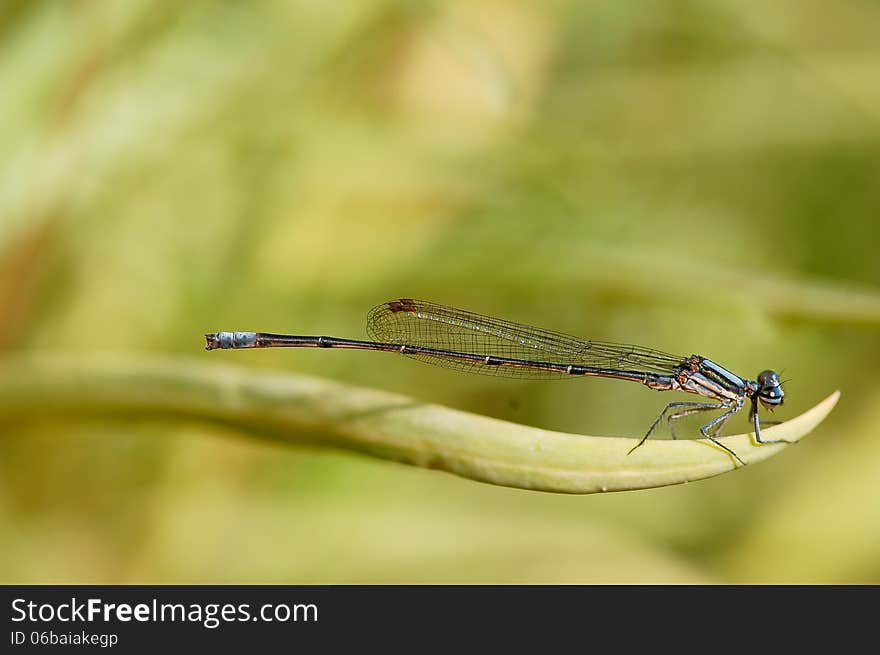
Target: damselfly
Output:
[(470, 342)]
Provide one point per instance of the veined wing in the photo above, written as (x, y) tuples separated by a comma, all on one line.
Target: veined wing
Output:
[(429, 325)]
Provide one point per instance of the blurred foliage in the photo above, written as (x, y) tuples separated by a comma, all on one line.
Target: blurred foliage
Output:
[(697, 176)]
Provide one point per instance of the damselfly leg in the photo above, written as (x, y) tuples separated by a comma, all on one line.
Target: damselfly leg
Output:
[(710, 431), (702, 407), (756, 422), (692, 405), (717, 424)]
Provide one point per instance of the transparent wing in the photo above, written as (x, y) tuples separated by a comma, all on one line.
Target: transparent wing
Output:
[(419, 323)]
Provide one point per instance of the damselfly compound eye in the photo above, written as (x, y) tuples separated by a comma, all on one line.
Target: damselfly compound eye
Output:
[(770, 391)]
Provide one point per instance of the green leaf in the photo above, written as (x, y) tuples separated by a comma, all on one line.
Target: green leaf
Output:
[(298, 409)]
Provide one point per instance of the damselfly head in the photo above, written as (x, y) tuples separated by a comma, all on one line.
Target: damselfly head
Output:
[(770, 391)]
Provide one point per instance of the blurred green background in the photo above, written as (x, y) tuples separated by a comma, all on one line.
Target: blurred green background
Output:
[(695, 176)]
